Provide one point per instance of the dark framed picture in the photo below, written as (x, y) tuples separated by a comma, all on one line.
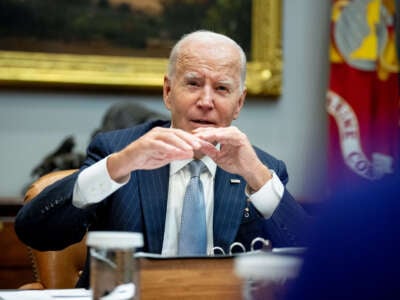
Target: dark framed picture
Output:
[(124, 44)]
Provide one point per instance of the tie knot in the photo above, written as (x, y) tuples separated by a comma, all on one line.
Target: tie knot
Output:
[(196, 167)]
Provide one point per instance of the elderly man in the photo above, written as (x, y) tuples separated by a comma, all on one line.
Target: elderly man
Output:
[(135, 179)]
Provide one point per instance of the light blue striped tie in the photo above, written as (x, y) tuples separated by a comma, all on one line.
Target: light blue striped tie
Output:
[(193, 232)]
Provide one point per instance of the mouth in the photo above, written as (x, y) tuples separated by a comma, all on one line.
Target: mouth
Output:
[(202, 122)]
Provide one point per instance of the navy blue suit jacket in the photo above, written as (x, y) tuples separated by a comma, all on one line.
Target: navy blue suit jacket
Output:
[(51, 222)]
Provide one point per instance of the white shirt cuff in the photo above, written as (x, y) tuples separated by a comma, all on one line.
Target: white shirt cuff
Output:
[(94, 184), (268, 197)]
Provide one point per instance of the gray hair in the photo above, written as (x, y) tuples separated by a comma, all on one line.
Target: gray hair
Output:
[(203, 34)]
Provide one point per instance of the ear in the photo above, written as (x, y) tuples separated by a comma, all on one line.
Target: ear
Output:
[(240, 104), (166, 92)]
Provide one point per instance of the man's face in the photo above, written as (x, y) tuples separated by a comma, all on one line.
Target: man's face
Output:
[(205, 89)]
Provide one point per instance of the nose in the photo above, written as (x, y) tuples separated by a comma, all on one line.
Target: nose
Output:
[(206, 99)]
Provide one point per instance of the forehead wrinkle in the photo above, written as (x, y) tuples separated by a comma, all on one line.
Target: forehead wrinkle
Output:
[(192, 75), (217, 56), (197, 69)]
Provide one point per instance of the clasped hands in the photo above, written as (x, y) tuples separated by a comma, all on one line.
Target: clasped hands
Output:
[(160, 146)]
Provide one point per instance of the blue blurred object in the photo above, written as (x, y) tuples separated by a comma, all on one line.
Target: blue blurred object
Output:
[(355, 247)]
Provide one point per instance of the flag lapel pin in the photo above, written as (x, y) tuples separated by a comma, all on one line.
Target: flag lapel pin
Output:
[(235, 180)]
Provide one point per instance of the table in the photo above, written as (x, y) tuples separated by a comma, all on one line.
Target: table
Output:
[(189, 278), (166, 278)]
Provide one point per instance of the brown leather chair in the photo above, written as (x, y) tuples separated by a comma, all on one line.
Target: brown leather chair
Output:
[(55, 269)]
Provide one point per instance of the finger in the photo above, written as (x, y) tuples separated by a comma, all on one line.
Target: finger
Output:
[(222, 136), (210, 150), (167, 150), (178, 139), (161, 153), (189, 138)]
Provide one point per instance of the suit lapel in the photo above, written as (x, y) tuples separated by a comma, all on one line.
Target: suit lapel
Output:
[(229, 204), (153, 186)]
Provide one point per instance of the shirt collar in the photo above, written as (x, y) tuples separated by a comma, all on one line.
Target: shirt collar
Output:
[(177, 165)]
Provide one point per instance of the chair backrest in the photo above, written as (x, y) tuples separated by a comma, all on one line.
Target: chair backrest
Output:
[(55, 269)]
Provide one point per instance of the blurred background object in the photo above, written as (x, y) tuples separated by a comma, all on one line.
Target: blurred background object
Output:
[(127, 114), (62, 158), (354, 250), (363, 100)]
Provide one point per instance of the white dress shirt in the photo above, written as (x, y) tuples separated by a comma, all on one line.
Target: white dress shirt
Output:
[(94, 184), (179, 177)]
